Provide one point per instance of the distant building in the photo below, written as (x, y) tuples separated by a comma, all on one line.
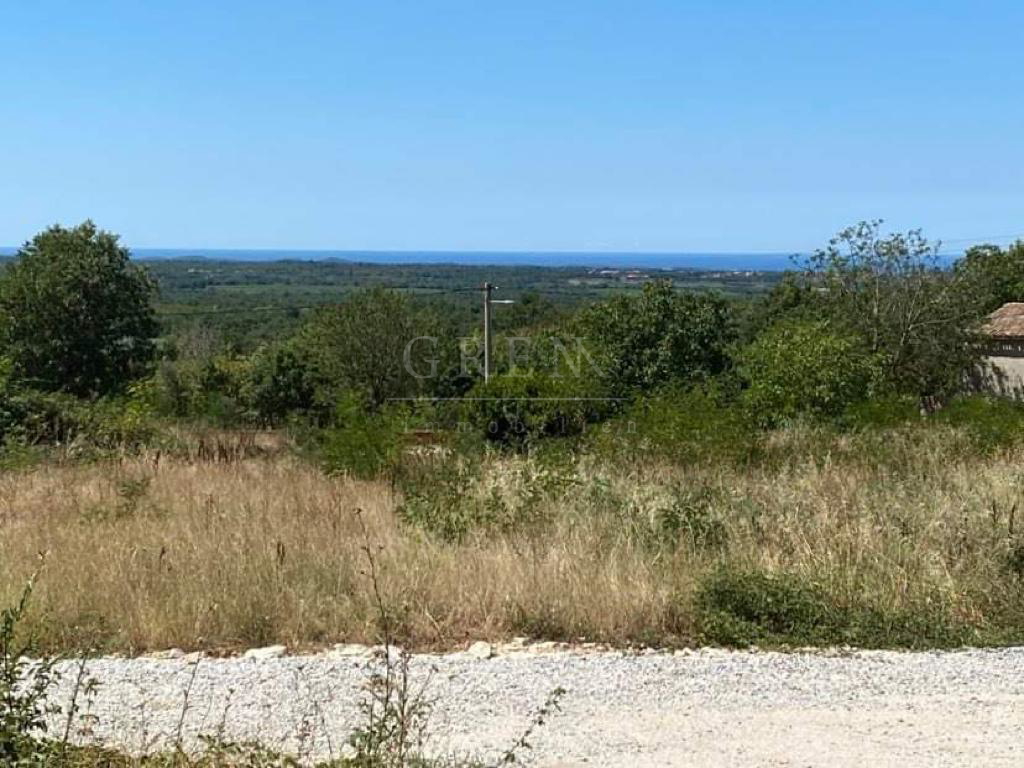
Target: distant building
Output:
[(1004, 350)]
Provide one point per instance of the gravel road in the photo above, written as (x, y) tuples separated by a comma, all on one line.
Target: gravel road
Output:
[(703, 708)]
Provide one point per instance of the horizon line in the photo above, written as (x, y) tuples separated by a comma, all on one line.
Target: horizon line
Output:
[(468, 251)]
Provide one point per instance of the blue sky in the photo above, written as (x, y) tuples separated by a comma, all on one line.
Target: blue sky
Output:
[(526, 125)]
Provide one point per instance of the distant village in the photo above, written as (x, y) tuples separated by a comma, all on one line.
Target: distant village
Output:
[(605, 275)]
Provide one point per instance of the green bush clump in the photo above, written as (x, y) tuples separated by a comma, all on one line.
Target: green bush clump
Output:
[(657, 338), (881, 412), (280, 383), (689, 426), (991, 423), (29, 417), (519, 408), (755, 607), (450, 496), (362, 443), (383, 345), (437, 497), (23, 696), (693, 516), (215, 390), (740, 608), (76, 314), (270, 387), (800, 368)]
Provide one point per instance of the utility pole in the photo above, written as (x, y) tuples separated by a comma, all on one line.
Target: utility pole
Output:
[(488, 289)]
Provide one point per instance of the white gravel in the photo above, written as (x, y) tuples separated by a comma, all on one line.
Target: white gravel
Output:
[(706, 708)]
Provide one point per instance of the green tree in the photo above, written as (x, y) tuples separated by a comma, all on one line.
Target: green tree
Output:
[(657, 337), (892, 291), (377, 344), (75, 314), (280, 383), (804, 367), (792, 297), (993, 275)]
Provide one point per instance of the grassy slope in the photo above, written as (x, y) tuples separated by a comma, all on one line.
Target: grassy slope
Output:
[(911, 547)]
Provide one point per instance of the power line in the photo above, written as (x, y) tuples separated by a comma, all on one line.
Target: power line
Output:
[(426, 293), (238, 310), (980, 240)]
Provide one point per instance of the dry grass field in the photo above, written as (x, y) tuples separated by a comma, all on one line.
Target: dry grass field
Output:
[(150, 552)]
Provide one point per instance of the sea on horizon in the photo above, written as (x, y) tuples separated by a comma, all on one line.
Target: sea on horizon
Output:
[(756, 262)]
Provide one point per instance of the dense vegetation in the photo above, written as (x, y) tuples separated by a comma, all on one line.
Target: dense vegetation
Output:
[(90, 355)]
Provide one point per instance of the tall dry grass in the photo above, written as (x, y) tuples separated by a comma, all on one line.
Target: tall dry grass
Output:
[(145, 554)]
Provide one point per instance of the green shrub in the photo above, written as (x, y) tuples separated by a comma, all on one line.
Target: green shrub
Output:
[(438, 497), (362, 443), (804, 368), (692, 426), (76, 314), (381, 344), (24, 691), (694, 516), (521, 407), (280, 383), (451, 495), (881, 412), (173, 388), (28, 417), (118, 423), (218, 391), (744, 608), (747, 607), (32, 418), (658, 337), (894, 294), (990, 422)]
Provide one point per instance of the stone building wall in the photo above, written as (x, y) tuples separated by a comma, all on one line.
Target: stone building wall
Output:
[(1003, 367)]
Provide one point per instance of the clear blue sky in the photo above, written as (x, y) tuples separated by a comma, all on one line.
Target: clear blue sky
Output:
[(515, 125)]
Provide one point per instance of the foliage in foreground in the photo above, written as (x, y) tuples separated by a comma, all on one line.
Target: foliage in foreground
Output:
[(24, 687), (361, 443), (716, 454), (739, 607), (392, 733)]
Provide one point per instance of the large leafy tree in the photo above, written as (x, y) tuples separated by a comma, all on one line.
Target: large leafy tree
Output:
[(75, 314), (658, 337), (379, 345), (892, 290)]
